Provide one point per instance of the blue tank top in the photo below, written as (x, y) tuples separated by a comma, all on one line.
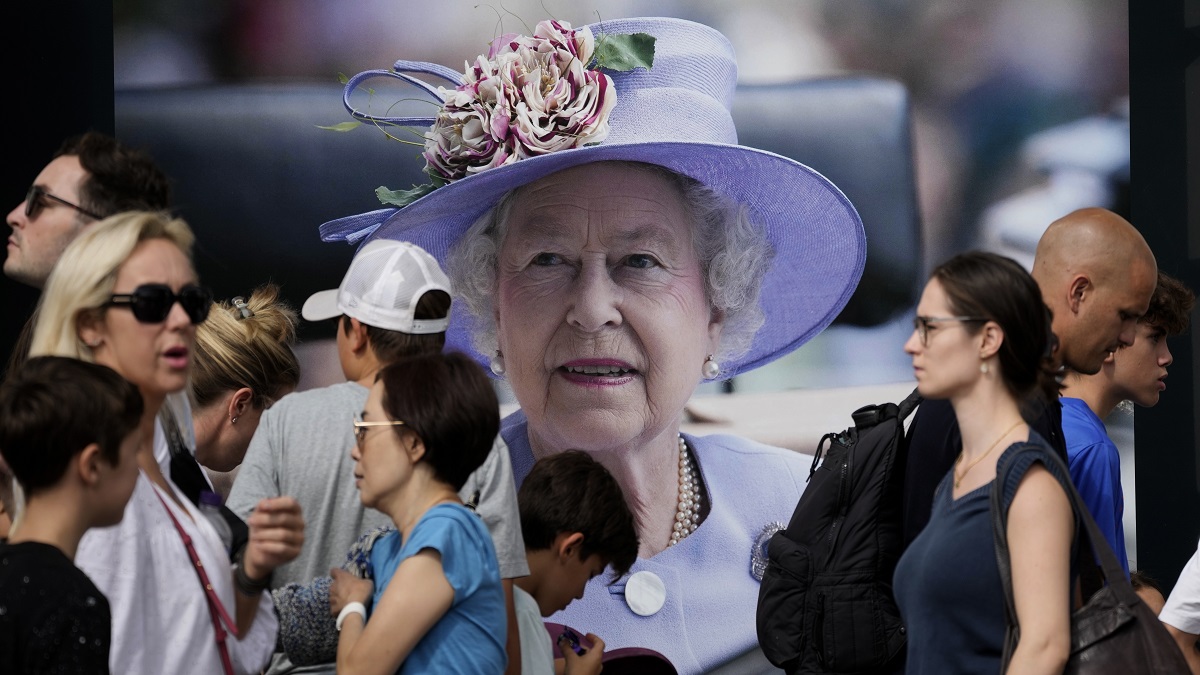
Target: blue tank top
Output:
[(947, 583)]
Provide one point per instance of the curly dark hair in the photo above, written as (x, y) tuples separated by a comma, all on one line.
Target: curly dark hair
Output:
[(1170, 306)]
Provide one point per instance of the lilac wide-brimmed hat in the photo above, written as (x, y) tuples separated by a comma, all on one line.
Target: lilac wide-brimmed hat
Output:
[(675, 114)]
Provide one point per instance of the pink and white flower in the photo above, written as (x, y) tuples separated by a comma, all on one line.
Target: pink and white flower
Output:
[(529, 96)]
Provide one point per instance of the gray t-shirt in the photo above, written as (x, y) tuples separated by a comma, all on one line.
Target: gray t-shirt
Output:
[(302, 449)]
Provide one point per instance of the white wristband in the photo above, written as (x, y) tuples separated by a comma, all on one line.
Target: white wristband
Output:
[(351, 608)]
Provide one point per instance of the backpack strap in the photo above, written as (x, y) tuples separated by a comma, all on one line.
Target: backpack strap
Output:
[(909, 404)]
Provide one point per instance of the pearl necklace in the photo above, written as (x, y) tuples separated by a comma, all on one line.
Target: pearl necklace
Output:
[(687, 512)]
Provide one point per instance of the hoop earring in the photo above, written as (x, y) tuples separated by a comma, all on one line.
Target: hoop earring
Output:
[(710, 369), (496, 363)]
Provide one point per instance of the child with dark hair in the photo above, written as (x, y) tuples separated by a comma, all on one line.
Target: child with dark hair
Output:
[(67, 432), (436, 604), (575, 523), (1148, 590), (1136, 373)]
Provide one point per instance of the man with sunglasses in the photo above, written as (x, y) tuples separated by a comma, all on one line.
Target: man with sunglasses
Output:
[(394, 302), (90, 178), (1096, 274)]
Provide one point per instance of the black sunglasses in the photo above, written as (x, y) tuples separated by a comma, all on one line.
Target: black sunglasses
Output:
[(34, 203), (151, 303)]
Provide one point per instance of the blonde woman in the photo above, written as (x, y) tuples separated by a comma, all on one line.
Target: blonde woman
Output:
[(244, 363), (125, 295)]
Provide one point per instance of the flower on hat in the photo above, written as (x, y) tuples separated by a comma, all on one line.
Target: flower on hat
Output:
[(528, 96)]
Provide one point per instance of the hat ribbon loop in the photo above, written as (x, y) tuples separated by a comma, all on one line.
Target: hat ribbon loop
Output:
[(398, 72)]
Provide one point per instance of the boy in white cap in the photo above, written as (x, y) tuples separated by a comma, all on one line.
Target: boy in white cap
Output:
[(393, 302)]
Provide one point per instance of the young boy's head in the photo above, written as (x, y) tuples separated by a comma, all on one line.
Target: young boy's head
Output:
[(394, 302), (67, 423), (1148, 590), (1137, 373), (575, 523)]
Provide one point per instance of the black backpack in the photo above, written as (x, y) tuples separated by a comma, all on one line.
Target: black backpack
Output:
[(825, 604)]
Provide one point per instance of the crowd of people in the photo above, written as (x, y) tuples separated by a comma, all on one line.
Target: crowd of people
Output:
[(604, 266)]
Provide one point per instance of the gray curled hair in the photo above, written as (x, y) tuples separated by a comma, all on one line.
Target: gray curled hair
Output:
[(734, 256)]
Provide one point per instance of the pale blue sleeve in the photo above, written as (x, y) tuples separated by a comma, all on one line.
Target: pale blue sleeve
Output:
[(464, 553)]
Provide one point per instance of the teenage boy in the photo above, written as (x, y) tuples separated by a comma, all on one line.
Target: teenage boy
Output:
[(1134, 372), (393, 302), (67, 431), (575, 524)]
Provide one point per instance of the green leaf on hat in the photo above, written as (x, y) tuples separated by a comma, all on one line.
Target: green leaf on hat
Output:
[(343, 126), (403, 198), (625, 52)]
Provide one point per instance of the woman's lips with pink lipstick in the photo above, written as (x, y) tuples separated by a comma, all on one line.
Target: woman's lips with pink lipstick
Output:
[(176, 357), (598, 372)]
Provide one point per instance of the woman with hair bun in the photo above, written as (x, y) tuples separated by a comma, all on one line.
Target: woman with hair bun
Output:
[(244, 363), (981, 340)]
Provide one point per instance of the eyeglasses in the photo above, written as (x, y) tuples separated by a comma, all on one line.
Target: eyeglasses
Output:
[(34, 203), (921, 324), (361, 427), (151, 303)]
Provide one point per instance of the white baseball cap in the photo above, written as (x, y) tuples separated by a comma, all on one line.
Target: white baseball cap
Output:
[(385, 281)]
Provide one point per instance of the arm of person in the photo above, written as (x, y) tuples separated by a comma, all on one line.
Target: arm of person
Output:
[(276, 536), (417, 597), (1040, 526), (1187, 645), (498, 509)]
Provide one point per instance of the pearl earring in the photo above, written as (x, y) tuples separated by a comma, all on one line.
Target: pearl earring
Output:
[(983, 367), (497, 364), (711, 369)]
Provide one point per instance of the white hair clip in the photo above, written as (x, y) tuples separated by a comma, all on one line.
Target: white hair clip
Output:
[(240, 304)]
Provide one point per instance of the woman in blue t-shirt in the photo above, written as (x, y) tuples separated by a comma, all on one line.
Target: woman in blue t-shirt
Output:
[(436, 605), (982, 339)]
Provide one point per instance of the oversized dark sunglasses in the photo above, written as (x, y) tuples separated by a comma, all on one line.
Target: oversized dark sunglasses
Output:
[(151, 303), (34, 203)]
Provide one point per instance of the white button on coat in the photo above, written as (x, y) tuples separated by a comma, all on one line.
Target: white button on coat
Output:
[(645, 593)]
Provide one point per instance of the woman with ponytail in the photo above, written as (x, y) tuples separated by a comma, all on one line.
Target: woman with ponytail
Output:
[(982, 340), (244, 363)]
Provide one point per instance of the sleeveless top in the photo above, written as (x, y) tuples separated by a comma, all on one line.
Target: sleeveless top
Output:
[(947, 583)]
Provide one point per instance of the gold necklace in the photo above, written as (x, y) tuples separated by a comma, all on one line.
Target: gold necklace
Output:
[(959, 476)]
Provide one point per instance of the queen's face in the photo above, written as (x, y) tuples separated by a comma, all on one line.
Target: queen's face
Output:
[(154, 356), (601, 310)]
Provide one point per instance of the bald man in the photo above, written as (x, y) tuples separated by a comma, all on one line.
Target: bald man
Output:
[(1096, 274)]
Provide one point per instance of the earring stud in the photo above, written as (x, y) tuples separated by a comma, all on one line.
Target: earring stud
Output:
[(497, 364), (710, 369)]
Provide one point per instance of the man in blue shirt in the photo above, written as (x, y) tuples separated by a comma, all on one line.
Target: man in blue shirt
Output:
[(1136, 373)]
